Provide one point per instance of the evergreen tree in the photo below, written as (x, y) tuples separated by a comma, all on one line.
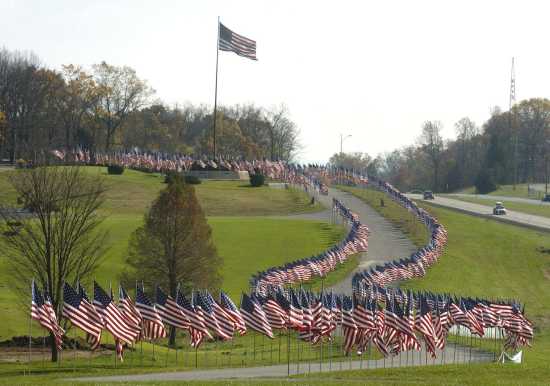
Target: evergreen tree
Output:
[(174, 245)]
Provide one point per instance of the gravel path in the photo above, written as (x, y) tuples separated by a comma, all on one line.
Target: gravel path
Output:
[(460, 355), (386, 243), (516, 218)]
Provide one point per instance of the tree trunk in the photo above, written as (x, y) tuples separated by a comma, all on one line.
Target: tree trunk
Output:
[(172, 336), (53, 348)]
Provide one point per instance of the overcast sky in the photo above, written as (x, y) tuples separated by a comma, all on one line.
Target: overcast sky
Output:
[(375, 70)]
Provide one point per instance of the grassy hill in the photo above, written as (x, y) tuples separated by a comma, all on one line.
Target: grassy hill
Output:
[(488, 259), (246, 241)]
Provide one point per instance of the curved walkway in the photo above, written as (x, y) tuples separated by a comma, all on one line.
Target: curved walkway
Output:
[(386, 243)]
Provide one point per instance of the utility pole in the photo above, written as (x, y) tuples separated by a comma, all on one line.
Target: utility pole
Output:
[(511, 105)]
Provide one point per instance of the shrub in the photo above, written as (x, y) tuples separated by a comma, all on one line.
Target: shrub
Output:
[(170, 176), (20, 164), (257, 179), (193, 180), (115, 169), (484, 182)]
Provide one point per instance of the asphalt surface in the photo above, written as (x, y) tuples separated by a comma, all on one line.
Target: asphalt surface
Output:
[(386, 243), (513, 217)]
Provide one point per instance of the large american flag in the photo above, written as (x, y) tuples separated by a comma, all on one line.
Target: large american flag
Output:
[(80, 315), (42, 311), (233, 42)]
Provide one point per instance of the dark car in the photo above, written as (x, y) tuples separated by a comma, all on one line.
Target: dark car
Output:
[(546, 198), (428, 195)]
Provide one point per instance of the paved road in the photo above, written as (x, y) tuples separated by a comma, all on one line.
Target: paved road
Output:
[(517, 218), (386, 243), (530, 201)]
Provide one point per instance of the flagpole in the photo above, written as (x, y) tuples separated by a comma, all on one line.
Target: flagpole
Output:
[(216, 87)]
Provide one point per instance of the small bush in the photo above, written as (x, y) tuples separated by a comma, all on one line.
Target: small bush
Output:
[(170, 176), (20, 164), (484, 182), (115, 169), (257, 179), (192, 180)]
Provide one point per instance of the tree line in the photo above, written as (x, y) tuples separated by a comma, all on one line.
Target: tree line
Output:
[(109, 108), (510, 147)]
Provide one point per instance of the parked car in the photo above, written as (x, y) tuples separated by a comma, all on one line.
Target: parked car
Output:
[(546, 198), (499, 209), (428, 195)]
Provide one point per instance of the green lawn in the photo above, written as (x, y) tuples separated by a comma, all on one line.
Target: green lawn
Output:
[(252, 244), (521, 190), (535, 208), (246, 244), (487, 259)]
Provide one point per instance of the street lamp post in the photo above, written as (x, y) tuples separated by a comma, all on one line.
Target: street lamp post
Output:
[(342, 141)]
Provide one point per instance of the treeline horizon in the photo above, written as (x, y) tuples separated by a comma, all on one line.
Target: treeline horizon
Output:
[(510, 147), (109, 108)]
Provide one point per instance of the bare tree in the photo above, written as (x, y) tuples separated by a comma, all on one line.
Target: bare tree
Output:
[(432, 145), (121, 92), (60, 240)]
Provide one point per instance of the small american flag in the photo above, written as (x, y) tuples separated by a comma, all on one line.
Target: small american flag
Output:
[(197, 327), (233, 312), (113, 319), (42, 311), (254, 316), (169, 311), (79, 315), (153, 328), (233, 42)]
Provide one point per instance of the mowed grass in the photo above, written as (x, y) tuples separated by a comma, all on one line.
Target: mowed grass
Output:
[(255, 244), (487, 259), (536, 208), (245, 243), (521, 190)]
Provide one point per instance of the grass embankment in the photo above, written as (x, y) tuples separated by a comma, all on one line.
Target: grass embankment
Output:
[(246, 244), (521, 190), (536, 208), (487, 259)]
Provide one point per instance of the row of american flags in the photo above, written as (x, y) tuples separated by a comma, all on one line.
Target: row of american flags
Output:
[(305, 269), (305, 175), (389, 319), (271, 305), (414, 266)]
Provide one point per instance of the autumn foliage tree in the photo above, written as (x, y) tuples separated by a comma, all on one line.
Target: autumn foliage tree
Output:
[(174, 245)]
